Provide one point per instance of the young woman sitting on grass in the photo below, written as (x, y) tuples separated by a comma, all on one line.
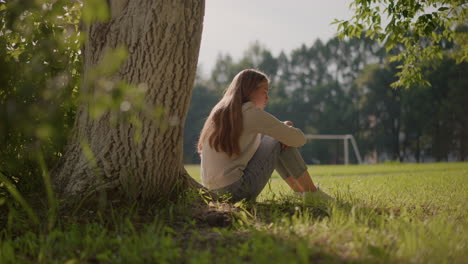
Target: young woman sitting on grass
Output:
[(240, 144)]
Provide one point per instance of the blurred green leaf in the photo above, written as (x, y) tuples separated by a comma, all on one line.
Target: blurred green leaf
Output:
[(95, 10)]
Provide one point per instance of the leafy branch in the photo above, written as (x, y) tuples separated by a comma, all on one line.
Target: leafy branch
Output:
[(417, 30)]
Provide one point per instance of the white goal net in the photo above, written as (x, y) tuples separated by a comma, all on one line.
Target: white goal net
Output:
[(346, 139)]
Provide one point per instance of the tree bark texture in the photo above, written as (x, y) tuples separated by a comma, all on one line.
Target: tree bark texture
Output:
[(163, 39)]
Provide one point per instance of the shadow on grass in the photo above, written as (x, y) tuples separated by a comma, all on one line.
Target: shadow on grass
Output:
[(188, 230)]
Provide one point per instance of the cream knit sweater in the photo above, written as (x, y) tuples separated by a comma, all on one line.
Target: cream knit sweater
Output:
[(219, 170)]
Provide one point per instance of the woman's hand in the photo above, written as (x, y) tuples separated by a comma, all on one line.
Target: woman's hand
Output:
[(288, 123)]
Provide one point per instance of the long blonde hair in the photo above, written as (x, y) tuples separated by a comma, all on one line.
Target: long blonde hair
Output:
[(223, 126)]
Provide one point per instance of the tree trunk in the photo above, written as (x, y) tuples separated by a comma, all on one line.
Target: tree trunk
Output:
[(418, 147), (163, 39), (396, 124), (462, 142)]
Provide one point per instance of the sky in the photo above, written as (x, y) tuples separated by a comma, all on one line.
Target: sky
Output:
[(230, 26)]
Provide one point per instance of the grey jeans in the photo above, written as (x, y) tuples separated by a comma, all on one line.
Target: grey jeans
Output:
[(268, 157)]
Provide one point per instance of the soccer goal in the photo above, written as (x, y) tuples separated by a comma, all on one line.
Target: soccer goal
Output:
[(346, 139)]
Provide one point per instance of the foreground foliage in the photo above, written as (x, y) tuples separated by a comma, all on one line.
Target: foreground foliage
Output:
[(384, 213)]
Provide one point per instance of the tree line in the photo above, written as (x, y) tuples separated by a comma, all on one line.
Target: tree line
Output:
[(344, 87)]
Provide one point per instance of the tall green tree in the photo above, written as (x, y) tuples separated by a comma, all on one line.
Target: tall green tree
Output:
[(418, 114), (449, 120), (381, 109)]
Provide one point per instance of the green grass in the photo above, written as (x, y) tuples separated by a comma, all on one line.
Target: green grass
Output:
[(414, 212), (388, 213)]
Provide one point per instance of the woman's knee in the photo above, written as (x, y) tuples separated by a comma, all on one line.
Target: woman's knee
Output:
[(270, 143)]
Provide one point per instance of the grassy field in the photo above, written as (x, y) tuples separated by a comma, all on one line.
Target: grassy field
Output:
[(388, 213)]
